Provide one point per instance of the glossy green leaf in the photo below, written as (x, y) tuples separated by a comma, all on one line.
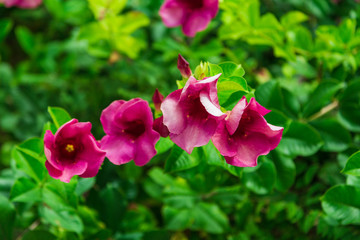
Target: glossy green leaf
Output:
[(59, 116), (209, 217), (260, 179), (269, 95), (352, 166), (7, 218), (213, 157), (342, 203), (300, 140), (179, 160), (285, 171), (336, 138)]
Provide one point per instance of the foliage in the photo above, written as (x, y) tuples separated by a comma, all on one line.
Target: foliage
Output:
[(299, 59)]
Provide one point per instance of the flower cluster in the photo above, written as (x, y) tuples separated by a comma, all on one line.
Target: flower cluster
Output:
[(191, 116)]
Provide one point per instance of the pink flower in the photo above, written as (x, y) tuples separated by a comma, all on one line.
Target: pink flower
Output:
[(193, 15), (192, 114), (157, 100), (22, 3), (128, 125), (72, 151), (245, 135)]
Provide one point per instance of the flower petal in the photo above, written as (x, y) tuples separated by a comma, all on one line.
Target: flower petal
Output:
[(108, 116), (172, 13), (255, 106), (249, 149), (174, 116), (119, 149), (145, 148), (209, 106), (197, 133), (196, 22), (234, 117)]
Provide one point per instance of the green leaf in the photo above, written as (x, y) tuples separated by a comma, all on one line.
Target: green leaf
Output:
[(84, 185), (300, 140), (7, 218), (5, 27), (269, 95), (209, 218), (213, 157), (59, 195), (349, 116), (104, 8), (293, 18), (230, 69), (26, 39), (352, 166), (260, 179), (29, 158), (285, 171), (177, 219), (342, 203), (322, 95), (336, 137), (59, 116), (25, 190), (68, 220), (180, 160)]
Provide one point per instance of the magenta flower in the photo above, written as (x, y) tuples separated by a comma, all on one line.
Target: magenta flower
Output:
[(72, 151), (22, 3), (130, 136), (192, 114), (245, 135), (193, 15)]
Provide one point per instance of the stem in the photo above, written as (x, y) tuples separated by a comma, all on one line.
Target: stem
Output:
[(324, 110), (30, 228)]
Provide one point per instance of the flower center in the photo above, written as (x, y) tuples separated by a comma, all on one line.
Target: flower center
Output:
[(135, 129), (70, 148), (194, 4)]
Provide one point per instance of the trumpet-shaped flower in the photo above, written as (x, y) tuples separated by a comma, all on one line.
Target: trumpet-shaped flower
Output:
[(193, 15), (22, 3), (72, 151), (192, 114), (128, 125), (244, 134)]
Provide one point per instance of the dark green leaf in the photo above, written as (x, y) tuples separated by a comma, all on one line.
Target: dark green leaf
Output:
[(352, 166), (300, 140), (260, 179), (180, 160), (336, 138), (25, 190), (342, 203)]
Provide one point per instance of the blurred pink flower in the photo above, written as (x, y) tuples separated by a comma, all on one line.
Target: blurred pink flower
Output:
[(192, 114), (128, 125), (72, 151), (22, 3), (193, 15), (245, 135)]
